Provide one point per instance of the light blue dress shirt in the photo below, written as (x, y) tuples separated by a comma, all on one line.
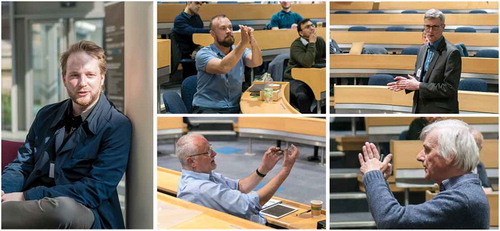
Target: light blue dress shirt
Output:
[(431, 49), (220, 193), (218, 90)]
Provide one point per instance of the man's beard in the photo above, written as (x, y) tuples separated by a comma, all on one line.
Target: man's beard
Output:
[(228, 41), (82, 101)]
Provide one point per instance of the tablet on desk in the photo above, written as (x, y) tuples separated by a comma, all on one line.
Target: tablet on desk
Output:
[(278, 211)]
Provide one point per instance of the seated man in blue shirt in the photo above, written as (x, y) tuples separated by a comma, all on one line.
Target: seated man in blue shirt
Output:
[(201, 185), (221, 68), (186, 24), (448, 156), (285, 19)]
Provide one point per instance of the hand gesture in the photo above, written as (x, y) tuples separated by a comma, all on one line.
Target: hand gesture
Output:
[(294, 26), (290, 157), (402, 83), (313, 37), (269, 160), (370, 160), (245, 37)]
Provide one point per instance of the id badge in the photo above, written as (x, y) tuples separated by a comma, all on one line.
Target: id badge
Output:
[(419, 73), (51, 170)]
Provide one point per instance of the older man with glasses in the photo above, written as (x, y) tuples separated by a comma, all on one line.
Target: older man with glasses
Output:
[(437, 71), (201, 185)]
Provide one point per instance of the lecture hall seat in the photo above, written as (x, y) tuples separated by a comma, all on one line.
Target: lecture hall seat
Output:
[(358, 28), (487, 53), (9, 151), (188, 89), (380, 79), (465, 29), (473, 85)]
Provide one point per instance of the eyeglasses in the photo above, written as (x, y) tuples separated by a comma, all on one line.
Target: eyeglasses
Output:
[(431, 27), (309, 26), (208, 153)]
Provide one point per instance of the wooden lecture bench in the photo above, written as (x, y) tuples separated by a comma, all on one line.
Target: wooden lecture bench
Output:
[(380, 129), (254, 105), (271, 42), (349, 66), (399, 38), (380, 98), (174, 213), (309, 131), (239, 12), (413, 5), (315, 78), (170, 128), (168, 180), (163, 66), (452, 20)]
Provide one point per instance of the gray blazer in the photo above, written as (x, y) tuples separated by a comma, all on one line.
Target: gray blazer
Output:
[(439, 88)]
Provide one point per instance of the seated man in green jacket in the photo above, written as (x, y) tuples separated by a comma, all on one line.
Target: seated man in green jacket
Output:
[(306, 51)]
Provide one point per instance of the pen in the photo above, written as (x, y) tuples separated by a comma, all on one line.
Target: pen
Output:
[(298, 214)]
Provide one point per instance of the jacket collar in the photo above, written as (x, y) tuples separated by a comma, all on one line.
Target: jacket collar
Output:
[(90, 125)]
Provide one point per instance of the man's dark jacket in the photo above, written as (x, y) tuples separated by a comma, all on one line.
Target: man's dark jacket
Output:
[(88, 166), (439, 89)]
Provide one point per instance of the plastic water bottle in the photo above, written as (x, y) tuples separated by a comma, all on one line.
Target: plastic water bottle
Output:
[(268, 89)]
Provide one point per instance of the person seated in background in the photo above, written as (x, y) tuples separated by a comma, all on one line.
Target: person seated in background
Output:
[(186, 24), (200, 184), (305, 52), (221, 68), (480, 169), (417, 125), (285, 18), (449, 155)]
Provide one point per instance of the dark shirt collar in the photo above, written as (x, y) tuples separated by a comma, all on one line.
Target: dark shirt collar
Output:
[(435, 45), (284, 12), (187, 15)]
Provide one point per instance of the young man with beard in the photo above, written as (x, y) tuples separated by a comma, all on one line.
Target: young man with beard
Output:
[(75, 154), (221, 68), (200, 184)]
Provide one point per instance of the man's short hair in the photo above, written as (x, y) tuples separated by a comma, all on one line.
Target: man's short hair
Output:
[(186, 146), (302, 22), (455, 140), (88, 47), (214, 17), (433, 13)]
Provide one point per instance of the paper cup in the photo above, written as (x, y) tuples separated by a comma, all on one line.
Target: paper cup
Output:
[(316, 206)]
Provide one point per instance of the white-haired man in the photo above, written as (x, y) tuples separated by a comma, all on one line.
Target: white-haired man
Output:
[(201, 185), (437, 70), (448, 156)]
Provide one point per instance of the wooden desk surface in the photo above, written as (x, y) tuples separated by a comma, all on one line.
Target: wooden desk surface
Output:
[(407, 62), (174, 213), (412, 38), (165, 123), (413, 5), (412, 19), (267, 39), (314, 77), (168, 180), (299, 125), (253, 105), (163, 52), (246, 11), (406, 121)]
